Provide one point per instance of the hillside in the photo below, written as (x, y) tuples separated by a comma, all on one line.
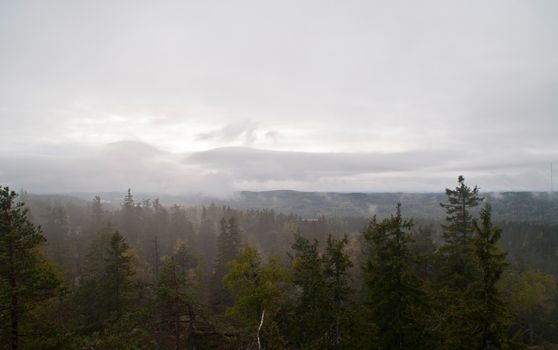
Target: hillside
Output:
[(534, 207)]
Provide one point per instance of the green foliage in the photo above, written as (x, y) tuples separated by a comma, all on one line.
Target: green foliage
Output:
[(532, 298), (424, 249), (491, 315), (123, 335), (118, 270), (397, 302), (229, 245), (336, 263), (105, 290), (174, 298), (56, 229), (322, 314), (27, 281), (309, 319), (473, 314), (258, 291), (413, 294), (129, 221), (228, 248), (459, 270), (50, 325), (459, 267)]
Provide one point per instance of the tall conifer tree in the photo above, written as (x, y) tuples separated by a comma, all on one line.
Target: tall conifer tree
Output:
[(396, 300), (310, 317), (459, 268), (25, 278), (490, 310), (322, 312), (228, 248)]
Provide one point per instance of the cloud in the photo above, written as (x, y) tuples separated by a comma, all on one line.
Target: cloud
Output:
[(239, 132), (248, 163), (221, 171), (113, 167), (358, 95)]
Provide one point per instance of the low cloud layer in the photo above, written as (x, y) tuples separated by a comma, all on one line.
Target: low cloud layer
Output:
[(221, 171)]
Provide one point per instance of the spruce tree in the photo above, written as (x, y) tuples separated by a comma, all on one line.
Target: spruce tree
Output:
[(310, 317), (397, 302), (490, 311), (118, 271), (322, 312), (228, 248), (459, 267), (207, 243), (173, 299), (129, 218), (336, 264), (105, 290)]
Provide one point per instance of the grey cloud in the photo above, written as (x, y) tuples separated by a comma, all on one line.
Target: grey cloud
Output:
[(120, 165), (462, 87), (112, 167), (284, 165)]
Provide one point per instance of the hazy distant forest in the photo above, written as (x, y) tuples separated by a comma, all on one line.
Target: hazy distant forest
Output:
[(84, 275)]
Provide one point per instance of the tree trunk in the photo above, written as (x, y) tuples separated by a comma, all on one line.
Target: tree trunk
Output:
[(259, 330)]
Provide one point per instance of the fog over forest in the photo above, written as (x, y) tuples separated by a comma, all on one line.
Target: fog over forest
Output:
[(292, 174)]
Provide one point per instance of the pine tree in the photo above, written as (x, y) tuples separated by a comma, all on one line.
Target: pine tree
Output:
[(396, 300), (26, 279)]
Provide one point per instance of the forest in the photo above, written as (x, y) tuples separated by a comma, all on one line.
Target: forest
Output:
[(143, 275)]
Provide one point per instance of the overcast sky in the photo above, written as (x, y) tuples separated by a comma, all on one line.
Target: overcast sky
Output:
[(219, 96)]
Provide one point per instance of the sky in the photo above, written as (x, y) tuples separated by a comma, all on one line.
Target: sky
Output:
[(220, 96)]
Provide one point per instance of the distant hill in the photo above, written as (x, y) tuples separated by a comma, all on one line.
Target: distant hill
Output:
[(508, 206), (535, 207)]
